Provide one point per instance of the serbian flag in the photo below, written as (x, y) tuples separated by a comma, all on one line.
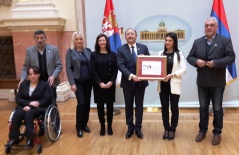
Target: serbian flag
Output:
[(219, 13), (110, 28)]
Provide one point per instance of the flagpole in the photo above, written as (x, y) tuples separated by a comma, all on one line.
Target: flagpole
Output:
[(110, 28)]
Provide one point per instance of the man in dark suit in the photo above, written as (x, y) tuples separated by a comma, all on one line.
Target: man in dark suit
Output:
[(211, 54), (46, 57), (133, 88)]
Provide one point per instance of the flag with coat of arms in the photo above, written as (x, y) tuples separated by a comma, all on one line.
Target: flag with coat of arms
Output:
[(111, 30), (219, 13)]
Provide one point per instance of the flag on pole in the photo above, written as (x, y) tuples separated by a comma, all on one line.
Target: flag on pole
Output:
[(219, 13), (111, 30)]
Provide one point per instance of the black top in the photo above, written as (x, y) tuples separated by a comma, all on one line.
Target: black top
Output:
[(42, 66), (103, 69), (169, 62), (84, 69), (165, 86)]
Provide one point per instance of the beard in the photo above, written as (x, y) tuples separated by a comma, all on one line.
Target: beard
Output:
[(40, 45)]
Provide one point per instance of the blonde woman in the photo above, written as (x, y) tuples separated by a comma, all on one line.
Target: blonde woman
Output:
[(79, 76)]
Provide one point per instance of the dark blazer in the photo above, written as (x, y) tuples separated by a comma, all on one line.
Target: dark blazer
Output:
[(127, 66), (42, 94), (222, 54), (103, 69), (73, 64), (53, 62)]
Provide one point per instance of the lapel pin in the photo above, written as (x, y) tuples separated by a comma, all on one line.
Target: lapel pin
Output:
[(138, 49), (215, 44), (49, 51)]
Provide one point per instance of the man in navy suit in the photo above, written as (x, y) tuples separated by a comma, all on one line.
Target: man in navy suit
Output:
[(133, 88), (211, 54), (46, 57)]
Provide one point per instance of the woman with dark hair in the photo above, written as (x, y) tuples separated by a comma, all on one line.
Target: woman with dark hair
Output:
[(170, 88), (104, 71), (32, 99), (79, 76)]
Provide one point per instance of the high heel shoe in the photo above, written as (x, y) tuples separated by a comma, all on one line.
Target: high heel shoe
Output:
[(102, 131), (165, 135), (110, 131), (171, 135)]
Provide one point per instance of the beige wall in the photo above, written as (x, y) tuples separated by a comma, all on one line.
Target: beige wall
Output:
[(5, 11), (66, 10)]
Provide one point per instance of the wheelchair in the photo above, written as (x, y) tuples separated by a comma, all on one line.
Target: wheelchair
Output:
[(52, 126)]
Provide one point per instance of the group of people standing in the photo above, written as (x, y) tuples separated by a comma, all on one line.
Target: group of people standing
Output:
[(209, 54)]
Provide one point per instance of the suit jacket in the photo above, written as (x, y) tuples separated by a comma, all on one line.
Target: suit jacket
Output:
[(179, 68), (42, 94), (73, 64), (53, 62), (127, 65), (222, 54)]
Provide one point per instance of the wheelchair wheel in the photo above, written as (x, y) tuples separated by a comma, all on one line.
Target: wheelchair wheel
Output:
[(39, 149), (52, 123), (7, 149)]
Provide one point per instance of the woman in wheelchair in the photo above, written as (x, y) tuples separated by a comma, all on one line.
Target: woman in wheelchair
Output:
[(33, 97)]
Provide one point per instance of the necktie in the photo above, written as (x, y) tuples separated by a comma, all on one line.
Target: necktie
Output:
[(133, 54)]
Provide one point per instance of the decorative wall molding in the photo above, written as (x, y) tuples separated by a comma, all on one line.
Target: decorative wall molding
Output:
[(35, 10), (6, 2), (17, 24)]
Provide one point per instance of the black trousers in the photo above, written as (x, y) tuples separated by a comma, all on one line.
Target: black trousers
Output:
[(129, 97), (215, 94), (101, 113), (83, 95), (28, 117), (167, 98)]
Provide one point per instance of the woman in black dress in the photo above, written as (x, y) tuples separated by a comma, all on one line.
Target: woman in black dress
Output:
[(104, 71)]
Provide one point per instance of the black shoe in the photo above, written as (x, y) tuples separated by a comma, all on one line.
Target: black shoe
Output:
[(102, 131), (12, 142), (171, 135), (139, 134), (110, 131), (29, 143), (165, 135), (129, 133), (41, 132), (80, 133), (86, 129)]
